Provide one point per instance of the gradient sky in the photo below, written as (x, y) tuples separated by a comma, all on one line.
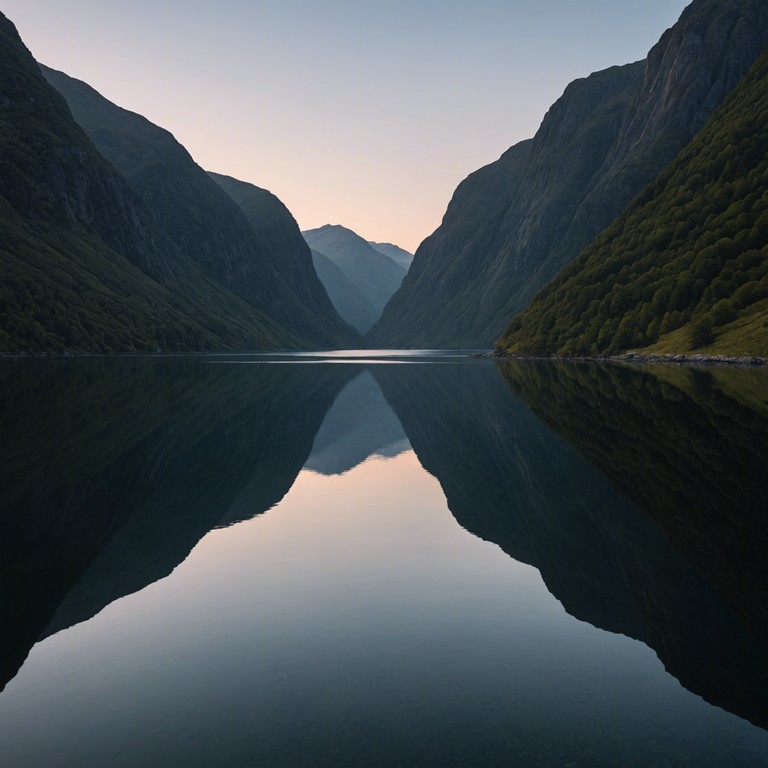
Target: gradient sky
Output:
[(366, 114)]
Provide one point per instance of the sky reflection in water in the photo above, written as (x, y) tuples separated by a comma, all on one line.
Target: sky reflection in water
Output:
[(356, 622)]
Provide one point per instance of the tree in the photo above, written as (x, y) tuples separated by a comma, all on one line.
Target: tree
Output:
[(701, 332)]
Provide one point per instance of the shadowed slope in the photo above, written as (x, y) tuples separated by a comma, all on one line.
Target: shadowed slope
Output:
[(686, 265), (201, 218), (278, 233), (375, 274), (84, 267), (514, 224)]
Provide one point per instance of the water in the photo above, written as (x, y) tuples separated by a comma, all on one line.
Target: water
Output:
[(402, 560)]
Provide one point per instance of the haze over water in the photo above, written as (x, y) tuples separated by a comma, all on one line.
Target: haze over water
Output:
[(281, 561)]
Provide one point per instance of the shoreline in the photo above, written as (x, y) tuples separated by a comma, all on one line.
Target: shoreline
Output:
[(632, 358), (638, 358)]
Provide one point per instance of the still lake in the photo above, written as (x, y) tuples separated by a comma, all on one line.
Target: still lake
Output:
[(381, 560)]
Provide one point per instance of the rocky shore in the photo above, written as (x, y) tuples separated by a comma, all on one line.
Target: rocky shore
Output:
[(636, 358)]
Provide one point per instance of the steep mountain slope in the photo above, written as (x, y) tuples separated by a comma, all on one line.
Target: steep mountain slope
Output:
[(278, 233), (201, 219), (686, 265), (83, 267), (395, 252), (371, 271), (350, 302), (600, 144)]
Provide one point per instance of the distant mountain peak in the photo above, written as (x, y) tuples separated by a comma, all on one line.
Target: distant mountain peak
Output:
[(374, 273)]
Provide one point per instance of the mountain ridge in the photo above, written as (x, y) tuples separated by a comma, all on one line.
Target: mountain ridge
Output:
[(534, 209), (201, 219), (351, 303), (84, 266), (395, 252), (374, 273), (685, 267)]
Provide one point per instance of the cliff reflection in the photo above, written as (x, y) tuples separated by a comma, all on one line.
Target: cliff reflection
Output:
[(643, 516), (510, 480), (113, 469), (688, 447)]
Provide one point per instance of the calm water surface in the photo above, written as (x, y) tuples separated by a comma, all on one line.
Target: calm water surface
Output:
[(366, 560)]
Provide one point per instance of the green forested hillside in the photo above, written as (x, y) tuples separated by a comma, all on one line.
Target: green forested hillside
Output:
[(62, 289), (83, 268), (686, 265)]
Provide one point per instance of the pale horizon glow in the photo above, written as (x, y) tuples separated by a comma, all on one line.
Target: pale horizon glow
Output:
[(356, 113)]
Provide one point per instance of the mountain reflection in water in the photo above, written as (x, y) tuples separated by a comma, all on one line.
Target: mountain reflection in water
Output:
[(117, 468), (640, 508), (680, 578)]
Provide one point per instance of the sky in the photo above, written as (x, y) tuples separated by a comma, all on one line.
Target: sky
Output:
[(366, 114)]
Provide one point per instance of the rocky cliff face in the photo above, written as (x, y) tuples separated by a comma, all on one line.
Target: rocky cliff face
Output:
[(511, 226), (688, 74), (685, 267), (202, 220), (50, 169), (278, 233)]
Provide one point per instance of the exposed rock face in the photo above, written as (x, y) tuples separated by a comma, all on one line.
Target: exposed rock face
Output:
[(278, 233), (688, 74), (512, 225), (60, 175), (685, 266), (202, 220)]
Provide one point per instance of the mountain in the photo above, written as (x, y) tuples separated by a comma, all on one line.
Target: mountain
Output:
[(375, 274), (514, 224), (685, 267), (84, 266), (606, 509), (205, 223), (351, 303), (278, 233), (395, 252)]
